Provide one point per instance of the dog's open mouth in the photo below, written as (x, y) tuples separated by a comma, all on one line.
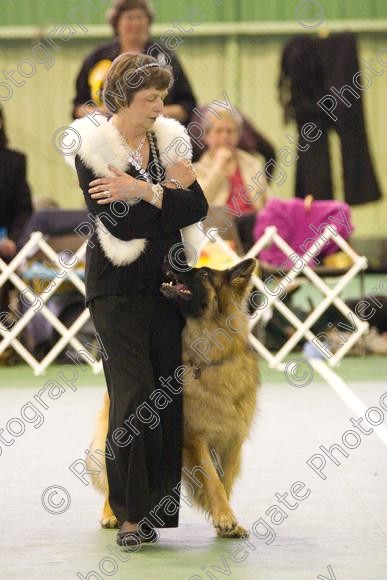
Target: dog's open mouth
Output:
[(173, 288)]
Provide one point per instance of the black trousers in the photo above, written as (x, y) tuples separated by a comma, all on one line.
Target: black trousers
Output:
[(313, 173), (141, 333), (334, 62)]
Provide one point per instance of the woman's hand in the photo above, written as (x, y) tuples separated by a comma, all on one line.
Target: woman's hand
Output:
[(183, 172), (123, 187), (224, 160), (223, 155)]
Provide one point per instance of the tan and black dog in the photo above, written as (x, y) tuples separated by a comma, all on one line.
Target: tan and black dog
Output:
[(220, 402)]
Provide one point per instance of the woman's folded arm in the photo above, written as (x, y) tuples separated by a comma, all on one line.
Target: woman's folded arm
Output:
[(183, 207), (142, 220)]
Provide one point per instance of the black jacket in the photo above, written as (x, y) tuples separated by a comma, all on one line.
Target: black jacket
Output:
[(179, 94), (15, 195), (161, 227)]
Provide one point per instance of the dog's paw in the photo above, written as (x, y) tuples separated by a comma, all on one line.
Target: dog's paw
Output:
[(225, 521), (237, 532), (109, 522)]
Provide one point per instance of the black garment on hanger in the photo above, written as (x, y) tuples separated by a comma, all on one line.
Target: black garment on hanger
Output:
[(310, 67)]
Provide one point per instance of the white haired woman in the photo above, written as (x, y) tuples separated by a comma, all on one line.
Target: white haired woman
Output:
[(226, 173)]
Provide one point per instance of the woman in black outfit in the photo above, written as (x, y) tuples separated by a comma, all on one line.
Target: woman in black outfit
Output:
[(131, 21), (119, 161)]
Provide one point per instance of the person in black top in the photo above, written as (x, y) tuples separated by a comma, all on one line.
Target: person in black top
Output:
[(15, 204), (130, 20), (15, 194), (129, 174)]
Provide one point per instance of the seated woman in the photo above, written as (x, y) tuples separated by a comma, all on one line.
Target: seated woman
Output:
[(226, 172)]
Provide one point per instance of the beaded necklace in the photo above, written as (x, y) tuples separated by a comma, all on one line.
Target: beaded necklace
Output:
[(136, 160), (136, 156)]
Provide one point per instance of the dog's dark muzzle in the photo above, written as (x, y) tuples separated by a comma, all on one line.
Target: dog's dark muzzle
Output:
[(174, 287)]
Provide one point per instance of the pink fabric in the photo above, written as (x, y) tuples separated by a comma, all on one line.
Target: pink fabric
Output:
[(300, 227)]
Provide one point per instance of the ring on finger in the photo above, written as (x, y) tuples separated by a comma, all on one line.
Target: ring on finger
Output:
[(107, 193)]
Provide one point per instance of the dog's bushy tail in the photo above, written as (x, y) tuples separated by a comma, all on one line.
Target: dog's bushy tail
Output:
[(99, 480)]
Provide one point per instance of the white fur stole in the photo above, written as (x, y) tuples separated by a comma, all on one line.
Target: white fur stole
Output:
[(102, 145)]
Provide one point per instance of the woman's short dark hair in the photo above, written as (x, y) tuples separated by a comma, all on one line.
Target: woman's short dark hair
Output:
[(3, 134), (129, 74), (120, 6)]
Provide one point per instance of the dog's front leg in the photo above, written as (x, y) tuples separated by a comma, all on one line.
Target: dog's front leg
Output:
[(231, 461), (200, 463)]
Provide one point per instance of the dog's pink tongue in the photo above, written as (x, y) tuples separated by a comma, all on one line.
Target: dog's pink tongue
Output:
[(180, 286)]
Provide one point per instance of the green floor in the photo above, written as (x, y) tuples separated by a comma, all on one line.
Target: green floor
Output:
[(339, 531), (351, 369)]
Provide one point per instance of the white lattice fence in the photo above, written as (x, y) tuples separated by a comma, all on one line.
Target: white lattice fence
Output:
[(67, 335), (303, 328), (331, 295)]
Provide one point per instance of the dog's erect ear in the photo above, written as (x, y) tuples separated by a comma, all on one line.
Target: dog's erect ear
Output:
[(240, 274)]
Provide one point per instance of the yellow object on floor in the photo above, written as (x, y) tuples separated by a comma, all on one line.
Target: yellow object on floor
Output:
[(338, 260), (213, 256)]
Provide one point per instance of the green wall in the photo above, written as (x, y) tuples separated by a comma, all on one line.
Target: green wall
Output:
[(333, 9), (44, 12)]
